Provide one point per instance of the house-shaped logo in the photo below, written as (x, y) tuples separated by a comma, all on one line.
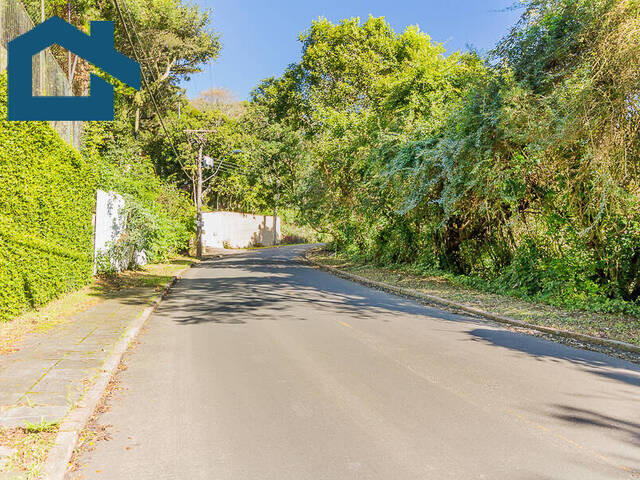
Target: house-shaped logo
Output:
[(96, 48)]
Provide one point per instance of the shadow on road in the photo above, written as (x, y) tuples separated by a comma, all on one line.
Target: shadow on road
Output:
[(235, 289), (541, 349), (268, 285), (622, 427)]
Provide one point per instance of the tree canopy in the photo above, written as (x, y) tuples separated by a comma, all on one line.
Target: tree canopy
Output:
[(520, 168)]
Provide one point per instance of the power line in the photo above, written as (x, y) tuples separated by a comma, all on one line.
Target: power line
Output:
[(137, 37), (226, 163), (227, 169), (233, 168), (230, 168), (146, 83), (233, 164)]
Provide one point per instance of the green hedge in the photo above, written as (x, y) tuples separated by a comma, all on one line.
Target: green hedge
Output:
[(46, 202)]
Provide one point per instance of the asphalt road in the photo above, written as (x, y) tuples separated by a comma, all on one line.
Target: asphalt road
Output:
[(257, 367)]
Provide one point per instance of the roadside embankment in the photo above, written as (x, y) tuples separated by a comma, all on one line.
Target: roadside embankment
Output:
[(616, 332)]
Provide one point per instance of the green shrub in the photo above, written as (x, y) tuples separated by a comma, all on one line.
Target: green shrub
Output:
[(160, 217), (46, 203), (152, 229)]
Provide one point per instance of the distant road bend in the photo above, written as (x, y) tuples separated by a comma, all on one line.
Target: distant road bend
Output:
[(257, 367)]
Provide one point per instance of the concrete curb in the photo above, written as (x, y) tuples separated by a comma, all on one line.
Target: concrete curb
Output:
[(55, 467), (443, 302)]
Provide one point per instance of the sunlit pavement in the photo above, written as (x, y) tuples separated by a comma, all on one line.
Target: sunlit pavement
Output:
[(257, 367)]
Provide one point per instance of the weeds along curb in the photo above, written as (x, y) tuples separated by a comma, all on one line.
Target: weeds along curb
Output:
[(60, 453), (434, 300)]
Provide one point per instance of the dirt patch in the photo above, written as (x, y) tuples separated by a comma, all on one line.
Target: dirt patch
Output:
[(29, 446)]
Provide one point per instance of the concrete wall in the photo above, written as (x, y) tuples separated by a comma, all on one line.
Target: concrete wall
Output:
[(109, 221), (238, 229), (110, 224)]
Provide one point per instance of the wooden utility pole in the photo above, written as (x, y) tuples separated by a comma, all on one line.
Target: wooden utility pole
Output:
[(275, 213), (199, 224), (200, 137)]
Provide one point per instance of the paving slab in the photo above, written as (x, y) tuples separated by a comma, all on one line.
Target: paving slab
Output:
[(13, 476), (48, 373), (5, 453)]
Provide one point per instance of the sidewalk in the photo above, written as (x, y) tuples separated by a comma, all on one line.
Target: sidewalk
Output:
[(48, 374), (52, 359)]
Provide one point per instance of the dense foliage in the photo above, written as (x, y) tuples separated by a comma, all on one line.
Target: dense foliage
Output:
[(48, 190), (519, 170), (159, 215), (46, 202), (172, 40)]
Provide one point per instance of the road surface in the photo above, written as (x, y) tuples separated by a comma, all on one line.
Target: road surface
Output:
[(257, 367)]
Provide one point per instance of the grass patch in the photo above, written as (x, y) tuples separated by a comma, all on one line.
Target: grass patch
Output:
[(41, 427), (30, 445), (154, 275), (621, 327), (63, 309)]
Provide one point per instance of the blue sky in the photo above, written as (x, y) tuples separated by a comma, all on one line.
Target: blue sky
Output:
[(259, 37)]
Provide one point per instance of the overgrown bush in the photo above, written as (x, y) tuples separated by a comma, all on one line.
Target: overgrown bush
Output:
[(159, 217), (47, 198), (519, 172)]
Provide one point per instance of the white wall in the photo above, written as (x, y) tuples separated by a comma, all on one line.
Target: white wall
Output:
[(109, 221), (110, 225), (238, 229)]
